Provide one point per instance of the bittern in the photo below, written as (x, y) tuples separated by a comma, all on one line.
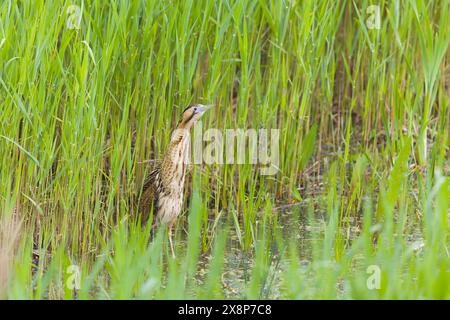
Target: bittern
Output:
[(163, 189)]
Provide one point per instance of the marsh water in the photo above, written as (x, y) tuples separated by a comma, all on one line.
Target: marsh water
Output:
[(307, 232)]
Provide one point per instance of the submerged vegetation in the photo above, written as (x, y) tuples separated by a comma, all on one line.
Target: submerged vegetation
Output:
[(91, 90)]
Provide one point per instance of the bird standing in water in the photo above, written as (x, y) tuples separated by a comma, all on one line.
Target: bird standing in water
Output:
[(164, 187)]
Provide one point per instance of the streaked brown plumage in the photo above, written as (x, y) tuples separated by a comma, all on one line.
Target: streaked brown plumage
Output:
[(163, 189)]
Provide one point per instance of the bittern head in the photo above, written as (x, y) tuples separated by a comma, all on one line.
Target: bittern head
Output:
[(192, 114)]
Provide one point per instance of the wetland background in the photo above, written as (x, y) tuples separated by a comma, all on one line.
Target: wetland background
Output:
[(357, 210)]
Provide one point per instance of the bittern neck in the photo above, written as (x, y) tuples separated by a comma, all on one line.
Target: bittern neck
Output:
[(179, 134), (185, 124)]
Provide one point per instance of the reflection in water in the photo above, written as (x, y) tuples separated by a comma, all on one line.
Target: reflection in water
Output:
[(307, 234)]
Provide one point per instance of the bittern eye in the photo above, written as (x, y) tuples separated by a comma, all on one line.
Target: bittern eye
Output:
[(195, 109)]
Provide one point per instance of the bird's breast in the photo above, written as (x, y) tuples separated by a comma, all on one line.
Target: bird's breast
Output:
[(179, 161), (173, 176)]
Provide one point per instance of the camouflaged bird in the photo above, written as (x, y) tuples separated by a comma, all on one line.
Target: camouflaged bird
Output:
[(163, 189)]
